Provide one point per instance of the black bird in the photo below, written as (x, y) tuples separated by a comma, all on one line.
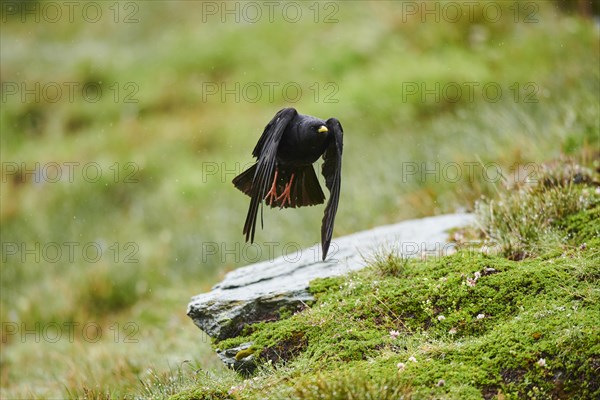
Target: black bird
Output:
[(283, 174)]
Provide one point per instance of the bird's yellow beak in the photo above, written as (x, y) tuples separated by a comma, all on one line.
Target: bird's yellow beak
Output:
[(323, 129)]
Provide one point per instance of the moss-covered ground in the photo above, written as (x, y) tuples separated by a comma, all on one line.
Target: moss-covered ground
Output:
[(474, 324)]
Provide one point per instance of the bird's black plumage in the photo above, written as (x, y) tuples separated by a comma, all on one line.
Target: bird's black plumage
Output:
[(283, 175)]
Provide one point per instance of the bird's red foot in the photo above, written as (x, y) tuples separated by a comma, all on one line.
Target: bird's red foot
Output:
[(286, 195), (272, 194)]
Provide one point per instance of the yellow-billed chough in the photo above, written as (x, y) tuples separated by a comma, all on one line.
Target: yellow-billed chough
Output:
[(283, 174)]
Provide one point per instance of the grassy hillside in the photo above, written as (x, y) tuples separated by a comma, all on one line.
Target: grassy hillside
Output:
[(121, 132)]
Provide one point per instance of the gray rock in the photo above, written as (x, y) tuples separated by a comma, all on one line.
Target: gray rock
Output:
[(241, 362), (259, 291)]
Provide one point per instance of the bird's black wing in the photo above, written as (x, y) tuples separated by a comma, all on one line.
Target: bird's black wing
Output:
[(266, 153), (332, 171)]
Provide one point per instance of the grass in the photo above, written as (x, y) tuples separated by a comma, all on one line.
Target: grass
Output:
[(468, 325), (160, 208), (523, 221)]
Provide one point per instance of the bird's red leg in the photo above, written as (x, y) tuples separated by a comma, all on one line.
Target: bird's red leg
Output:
[(286, 195), (272, 194)]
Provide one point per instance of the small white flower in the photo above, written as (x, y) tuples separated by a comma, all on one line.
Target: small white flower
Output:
[(480, 316), (477, 275), (401, 366), (394, 334), (411, 358), (471, 282), (541, 362), (452, 331), (441, 318)]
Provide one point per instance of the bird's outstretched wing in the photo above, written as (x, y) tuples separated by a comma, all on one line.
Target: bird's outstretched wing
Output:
[(266, 153), (332, 171)]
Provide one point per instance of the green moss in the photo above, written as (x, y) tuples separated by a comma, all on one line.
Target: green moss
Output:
[(584, 226), (231, 342), (466, 326), (530, 313), (323, 285), (244, 353)]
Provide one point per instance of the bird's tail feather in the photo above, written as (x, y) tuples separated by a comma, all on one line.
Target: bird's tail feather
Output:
[(244, 180), (305, 189)]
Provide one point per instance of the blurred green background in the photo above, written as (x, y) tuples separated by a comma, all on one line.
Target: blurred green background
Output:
[(123, 123)]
